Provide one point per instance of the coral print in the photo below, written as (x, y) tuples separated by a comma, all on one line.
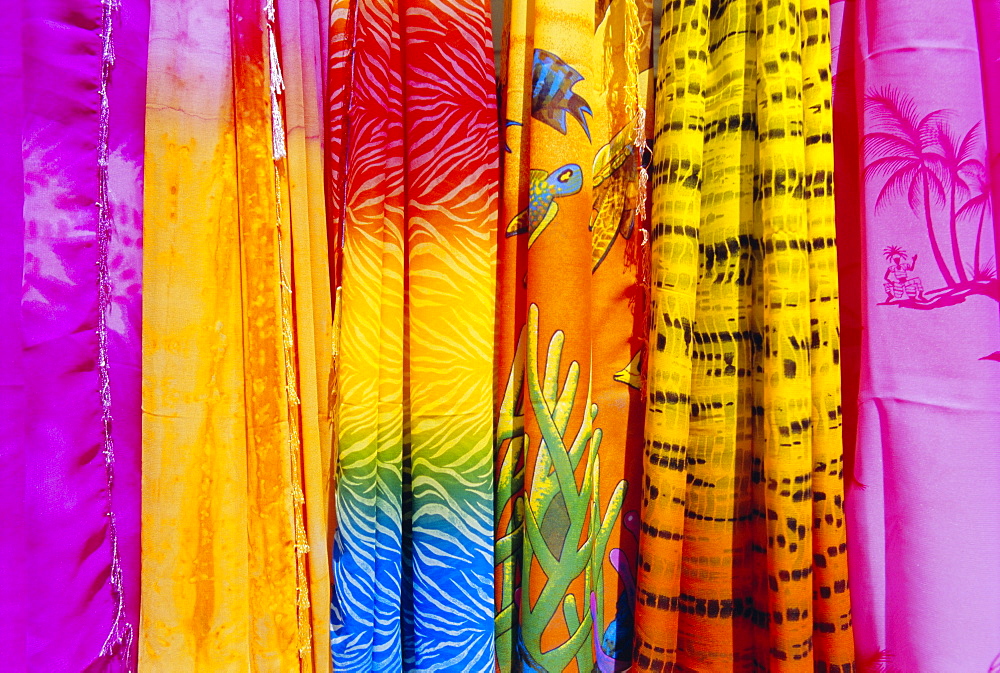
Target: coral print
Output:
[(570, 333)]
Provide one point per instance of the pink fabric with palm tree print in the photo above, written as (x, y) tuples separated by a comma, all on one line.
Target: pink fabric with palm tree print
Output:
[(922, 310)]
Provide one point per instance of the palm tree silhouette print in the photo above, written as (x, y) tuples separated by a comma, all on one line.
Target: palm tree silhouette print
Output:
[(958, 168), (923, 161), (980, 205)]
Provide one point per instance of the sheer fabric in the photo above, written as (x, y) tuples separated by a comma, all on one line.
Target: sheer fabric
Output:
[(236, 341), (742, 547)]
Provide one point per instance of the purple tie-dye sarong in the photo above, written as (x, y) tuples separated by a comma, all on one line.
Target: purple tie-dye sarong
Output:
[(70, 491)]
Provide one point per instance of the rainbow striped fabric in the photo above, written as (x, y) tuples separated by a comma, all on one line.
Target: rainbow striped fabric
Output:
[(415, 185)]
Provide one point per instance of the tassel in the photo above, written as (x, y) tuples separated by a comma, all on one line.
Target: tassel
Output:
[(119, 640), (298, 499), (277, 86)]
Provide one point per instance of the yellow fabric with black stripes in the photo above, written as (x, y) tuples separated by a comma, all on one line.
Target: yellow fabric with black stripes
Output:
[(743, 550)]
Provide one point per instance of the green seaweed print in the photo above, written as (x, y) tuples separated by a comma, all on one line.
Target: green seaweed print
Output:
[(547, 521)]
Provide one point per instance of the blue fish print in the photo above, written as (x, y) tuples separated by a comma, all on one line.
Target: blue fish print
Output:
[(552, 95), (507, 124)]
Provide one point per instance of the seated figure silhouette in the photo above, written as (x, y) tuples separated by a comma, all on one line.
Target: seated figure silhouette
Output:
[(900, 282)]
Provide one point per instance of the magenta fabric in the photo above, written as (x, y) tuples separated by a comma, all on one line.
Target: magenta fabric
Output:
[(921, 303), (66, 610), (988, 24), (13, 529)]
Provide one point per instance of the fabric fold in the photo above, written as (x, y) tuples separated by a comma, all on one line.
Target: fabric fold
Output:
[(412, 191), (915, 127), (72, 269), (743, 541), (236, 355), (571, 332)]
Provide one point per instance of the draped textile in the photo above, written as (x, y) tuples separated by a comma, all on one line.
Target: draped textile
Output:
[(13, 556), (398, 367), (74, 76), (915, 105), (571, 331), (236, 331), (987, 20), (413, 188), (743, 546)]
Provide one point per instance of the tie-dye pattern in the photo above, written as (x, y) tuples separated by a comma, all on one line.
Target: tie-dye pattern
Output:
[(234, 390), (73, 79), (742, 555)]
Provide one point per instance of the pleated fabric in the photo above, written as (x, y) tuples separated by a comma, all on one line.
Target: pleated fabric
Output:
[(570, 333), (236, 355), (743, 562), (73, 81), (412, 185), (917, 127)]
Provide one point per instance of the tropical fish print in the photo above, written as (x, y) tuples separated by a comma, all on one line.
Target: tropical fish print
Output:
[(552, 95), (614, 646), (542, 208), (568, 436), (631, 374)]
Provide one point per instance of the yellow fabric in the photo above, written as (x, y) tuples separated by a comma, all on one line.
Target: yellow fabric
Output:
[(743, 545), (236, 354), (306, 252)]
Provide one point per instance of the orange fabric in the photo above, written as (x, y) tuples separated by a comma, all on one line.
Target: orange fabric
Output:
[(236, 346), (571, 330)]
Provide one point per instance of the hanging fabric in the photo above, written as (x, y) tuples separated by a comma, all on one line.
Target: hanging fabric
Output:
[(236, 337), (917, 127), (72, 143), (743, 549), (412, 182), (571, 340)]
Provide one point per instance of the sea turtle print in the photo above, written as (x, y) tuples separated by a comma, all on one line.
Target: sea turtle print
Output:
[(542, 208), (616, 193), (568, 432)]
